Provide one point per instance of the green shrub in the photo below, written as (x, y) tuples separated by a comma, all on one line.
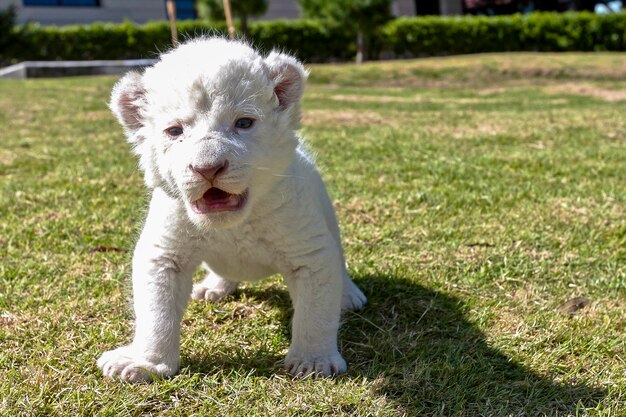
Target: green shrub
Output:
[(422, 36), (319, 41), (310, 40), (99, 40)]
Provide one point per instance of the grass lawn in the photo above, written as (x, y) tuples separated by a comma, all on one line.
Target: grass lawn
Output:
[(478, 197)]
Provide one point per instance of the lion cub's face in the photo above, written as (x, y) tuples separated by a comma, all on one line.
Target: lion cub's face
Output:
[(213, 124)]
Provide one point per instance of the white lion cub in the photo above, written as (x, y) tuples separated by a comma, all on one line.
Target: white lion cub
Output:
[(214, 125)]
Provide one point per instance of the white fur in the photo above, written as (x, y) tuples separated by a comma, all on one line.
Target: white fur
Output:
[(287, 225)]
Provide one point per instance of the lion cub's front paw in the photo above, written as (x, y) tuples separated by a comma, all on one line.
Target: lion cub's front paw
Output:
[(125, 364), (316, 366)]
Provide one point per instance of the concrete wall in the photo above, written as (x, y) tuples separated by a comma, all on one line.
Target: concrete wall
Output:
[(281, 9), (451, 7), (141, 11), (109, 11), (289, 9), (403, 8)]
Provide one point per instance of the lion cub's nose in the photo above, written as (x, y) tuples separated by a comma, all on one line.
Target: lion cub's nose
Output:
[(209, 172)]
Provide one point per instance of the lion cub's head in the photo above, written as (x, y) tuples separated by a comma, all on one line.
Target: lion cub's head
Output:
[(213, 124)]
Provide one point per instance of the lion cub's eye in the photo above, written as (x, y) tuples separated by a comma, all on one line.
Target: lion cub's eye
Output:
[(244, 123), (174, 131)]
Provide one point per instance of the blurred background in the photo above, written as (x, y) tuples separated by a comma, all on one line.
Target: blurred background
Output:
[(313, 30), (63, 12)]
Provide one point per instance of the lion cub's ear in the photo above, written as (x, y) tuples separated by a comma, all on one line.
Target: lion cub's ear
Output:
[(127, 99), (289, 77)]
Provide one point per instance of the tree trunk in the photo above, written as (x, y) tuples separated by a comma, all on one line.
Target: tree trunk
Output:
[(171, 12), (360, 47), (229, 19)]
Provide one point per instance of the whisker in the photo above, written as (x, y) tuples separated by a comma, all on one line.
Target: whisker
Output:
[(275, 175), (288, 176)]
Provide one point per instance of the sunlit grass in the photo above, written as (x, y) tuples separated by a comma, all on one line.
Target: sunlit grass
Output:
[(476, 196)]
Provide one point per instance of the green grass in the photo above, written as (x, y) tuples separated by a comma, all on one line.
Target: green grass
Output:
[(476, 196)]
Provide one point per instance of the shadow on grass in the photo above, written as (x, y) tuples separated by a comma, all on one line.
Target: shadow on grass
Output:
[(262, 363), (428, 356), (433, 361)]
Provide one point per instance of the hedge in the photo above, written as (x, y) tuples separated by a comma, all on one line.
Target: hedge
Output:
[(536, 32), (311, 40), (97, 41), (317, 41)]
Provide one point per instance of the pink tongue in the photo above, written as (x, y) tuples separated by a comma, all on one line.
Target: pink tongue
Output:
[(216, 200)]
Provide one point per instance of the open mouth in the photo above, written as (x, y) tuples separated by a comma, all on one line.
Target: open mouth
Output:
[(215, 200)]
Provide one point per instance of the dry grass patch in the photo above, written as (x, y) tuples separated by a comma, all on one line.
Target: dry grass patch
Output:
[(586, 211), (365, 98), (344, 118), (7, 156), (478, 70), (588, 90), (12, 320), (94, 115)]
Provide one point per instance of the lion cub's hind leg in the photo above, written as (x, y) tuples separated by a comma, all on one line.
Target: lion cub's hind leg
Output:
[(212, 287)]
